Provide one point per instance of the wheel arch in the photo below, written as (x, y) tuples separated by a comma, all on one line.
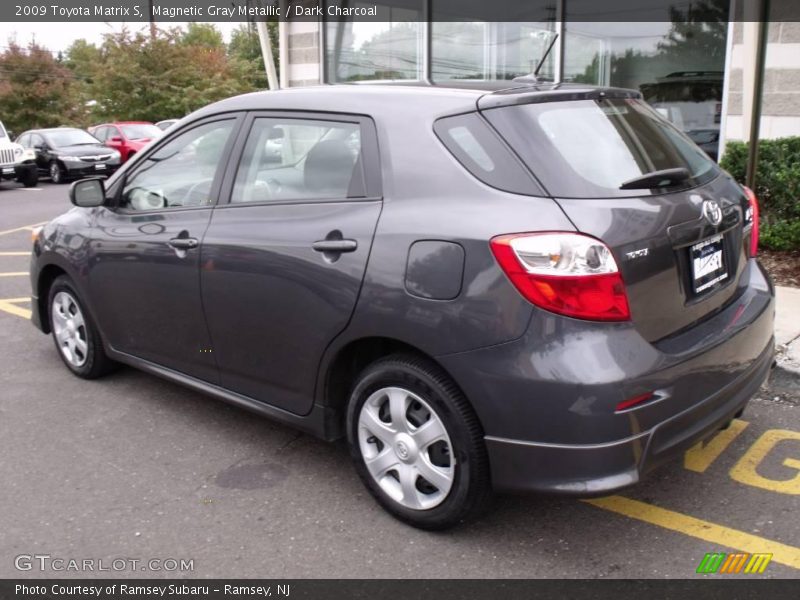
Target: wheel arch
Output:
[(339, 373), (48, 274)]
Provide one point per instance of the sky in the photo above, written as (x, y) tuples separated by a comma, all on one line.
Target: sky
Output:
[(59, 36)]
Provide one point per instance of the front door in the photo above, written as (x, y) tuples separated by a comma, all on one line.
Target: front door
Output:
[(144, 270), (282, 262)]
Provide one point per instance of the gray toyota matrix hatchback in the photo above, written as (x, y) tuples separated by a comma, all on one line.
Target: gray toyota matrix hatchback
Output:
[(545, 288)]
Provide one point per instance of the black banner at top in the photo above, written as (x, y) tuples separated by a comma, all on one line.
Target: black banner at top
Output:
[(395, 10)]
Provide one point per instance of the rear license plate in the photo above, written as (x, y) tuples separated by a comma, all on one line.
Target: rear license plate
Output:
[(100, 167), (708, 264)]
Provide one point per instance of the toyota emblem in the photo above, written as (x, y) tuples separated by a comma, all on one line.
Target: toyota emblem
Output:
[(712, 212)]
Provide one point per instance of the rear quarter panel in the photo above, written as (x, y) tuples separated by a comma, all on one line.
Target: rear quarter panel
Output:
[(428, 195)]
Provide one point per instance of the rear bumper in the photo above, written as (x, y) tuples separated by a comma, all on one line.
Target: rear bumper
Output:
[(587, 470), (548, 401)]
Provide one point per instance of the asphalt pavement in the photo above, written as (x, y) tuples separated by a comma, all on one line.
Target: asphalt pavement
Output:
[(131, 469)]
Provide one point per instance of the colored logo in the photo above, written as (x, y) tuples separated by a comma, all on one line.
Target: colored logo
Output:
[(732, 564)]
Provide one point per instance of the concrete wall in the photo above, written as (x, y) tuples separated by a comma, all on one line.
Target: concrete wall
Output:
[(302, 54), (781, 107)]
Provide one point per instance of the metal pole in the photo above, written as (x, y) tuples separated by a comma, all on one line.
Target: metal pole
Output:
[(266, 52), (152, 22), (758, 85)]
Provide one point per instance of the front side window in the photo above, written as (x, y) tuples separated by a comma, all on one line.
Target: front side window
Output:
[(180, 173), (299, 159), (590, 148)]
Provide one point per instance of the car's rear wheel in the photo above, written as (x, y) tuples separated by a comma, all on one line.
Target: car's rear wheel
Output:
[(417, 444), (57, 174), (74, 332)]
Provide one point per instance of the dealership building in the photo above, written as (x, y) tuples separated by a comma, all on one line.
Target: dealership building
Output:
[(694, 61)]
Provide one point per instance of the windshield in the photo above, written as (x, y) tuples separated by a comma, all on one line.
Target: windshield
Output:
[(141, 131), (589, 148), (2, 131), (70, 137)]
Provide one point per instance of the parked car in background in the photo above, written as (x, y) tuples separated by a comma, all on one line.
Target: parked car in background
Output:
[(692, 100), (166, 124), (548, 289), (65, 153), (126, 137), (707, 139), (16, 162)]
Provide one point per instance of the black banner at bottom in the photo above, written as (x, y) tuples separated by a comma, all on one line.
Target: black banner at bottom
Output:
[(730, 588)]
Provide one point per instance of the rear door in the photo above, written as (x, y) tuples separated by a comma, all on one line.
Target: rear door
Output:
[(282, 263), (680, 247)]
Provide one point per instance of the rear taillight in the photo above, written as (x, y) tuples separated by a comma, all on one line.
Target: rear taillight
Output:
[(566, 273), (751, 218)]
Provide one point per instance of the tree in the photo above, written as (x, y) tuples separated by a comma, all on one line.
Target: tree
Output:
[(203, 34), (35, 90), (244, 50), (165, 76)]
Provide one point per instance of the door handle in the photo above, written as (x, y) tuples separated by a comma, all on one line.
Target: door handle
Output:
[(180, 243), (335, 246)]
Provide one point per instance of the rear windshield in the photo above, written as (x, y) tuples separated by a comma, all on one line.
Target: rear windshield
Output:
[(589, 148)]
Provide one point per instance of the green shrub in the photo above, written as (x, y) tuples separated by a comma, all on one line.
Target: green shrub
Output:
[(777, 188), (780, 235)]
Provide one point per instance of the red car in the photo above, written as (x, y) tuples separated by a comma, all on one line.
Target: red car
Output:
[(127, 137)]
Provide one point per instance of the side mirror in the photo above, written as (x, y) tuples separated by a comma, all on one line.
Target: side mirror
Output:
[(40, 147), (88, 193), (115, 139)]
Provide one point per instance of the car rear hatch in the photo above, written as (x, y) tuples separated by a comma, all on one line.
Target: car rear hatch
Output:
[(680, 238)]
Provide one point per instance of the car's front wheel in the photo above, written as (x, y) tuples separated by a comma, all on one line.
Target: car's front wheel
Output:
[(57, 174), (74, 332), (29, 178), (417, 444)]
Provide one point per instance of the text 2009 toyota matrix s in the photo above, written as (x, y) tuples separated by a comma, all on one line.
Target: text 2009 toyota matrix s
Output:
[(546, 288)]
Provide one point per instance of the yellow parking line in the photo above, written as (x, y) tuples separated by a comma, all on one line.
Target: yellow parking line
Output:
[(698, 528), (28, 253), (9, 305), (23, 228), (18, 274)]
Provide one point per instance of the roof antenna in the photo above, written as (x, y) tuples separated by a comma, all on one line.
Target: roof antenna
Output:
[(534, 77)]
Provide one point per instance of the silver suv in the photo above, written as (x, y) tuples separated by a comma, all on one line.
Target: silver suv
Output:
[(16, 162)]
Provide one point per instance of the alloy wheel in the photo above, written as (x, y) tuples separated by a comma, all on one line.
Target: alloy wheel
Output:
[(55, 173)]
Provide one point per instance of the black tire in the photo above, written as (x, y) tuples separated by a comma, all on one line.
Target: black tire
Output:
[(96, 362), (29, 178), (57, 173), (471, 492)]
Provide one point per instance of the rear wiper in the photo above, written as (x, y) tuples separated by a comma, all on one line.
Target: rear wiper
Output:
[(657, 179)]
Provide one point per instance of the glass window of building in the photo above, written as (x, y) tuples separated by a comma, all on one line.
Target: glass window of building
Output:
[(391, 49), (677, 60)]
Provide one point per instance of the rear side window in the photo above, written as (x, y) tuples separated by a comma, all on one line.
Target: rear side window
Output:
[(589, 148), (300, 159), (479, 149)]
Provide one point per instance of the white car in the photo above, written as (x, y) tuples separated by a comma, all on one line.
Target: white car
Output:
[(17, 162)]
